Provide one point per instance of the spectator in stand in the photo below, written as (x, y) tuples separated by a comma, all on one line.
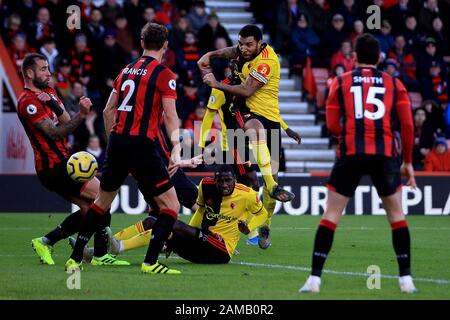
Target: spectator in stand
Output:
[(188, 101), (166, 14), (187, 57), (406, 63), (350, 13), (384, 37), (344, 57), (177, 34), (113, 58), (27, 10), (413, 36), (42, 28), (333, 37), (49, 50), (435, 116), (208, 34), (13, 27), (64, 78), (320, 14), (358, 29), (220, 65), (391, 68), (338, 70), (198, 16), (18, 49), (5, 12), (110, 11), (398, 13), (170, 59), (95, 30), (427, 13), (304, 42), (124, 36), (436, 85), (427, 57), (438, 159), (133, 9), (194, 120), (81, 60), (286, 16), (442, 39), (94, 147), (423, 138)]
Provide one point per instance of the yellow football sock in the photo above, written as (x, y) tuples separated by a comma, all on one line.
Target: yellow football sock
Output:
[(138, 241), (262, 157), (130, 231), (268, 203)]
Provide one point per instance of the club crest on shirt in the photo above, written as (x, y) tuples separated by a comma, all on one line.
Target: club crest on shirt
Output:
[(172, 84), (31, 109), (233, 205)]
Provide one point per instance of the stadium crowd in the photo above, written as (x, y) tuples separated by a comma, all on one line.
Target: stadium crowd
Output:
[(414, 37)]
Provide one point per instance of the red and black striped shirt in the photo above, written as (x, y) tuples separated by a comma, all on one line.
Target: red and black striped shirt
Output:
[(360, 110), (140, 87), (47, 152)]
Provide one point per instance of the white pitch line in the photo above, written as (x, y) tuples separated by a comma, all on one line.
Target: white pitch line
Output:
[(287, 267), (343, 273)]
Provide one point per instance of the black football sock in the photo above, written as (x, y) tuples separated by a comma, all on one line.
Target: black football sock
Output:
[(68, 227), (90, 224), (101, 236), (160, 232), (402, 246), (322, 246)]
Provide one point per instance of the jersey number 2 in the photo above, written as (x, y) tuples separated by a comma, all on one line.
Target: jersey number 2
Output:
[(372, 99), (124, 106)]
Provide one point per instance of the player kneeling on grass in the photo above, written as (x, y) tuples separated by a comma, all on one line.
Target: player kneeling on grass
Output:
[(214, 230)]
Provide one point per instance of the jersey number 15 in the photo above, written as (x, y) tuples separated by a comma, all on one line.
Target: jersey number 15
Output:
[(372, 99)]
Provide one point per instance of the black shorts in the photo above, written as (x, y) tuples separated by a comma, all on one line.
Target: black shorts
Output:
[(273, 132), (187, 190), (138, 156), (209, 249), (348, 170), (58, 180)]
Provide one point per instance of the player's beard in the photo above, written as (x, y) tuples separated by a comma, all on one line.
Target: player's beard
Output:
[(40, 84)]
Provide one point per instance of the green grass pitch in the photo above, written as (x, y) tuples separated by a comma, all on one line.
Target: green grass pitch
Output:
[(276, 273)]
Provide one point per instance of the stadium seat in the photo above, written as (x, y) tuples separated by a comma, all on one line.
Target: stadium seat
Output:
[(321, 76)]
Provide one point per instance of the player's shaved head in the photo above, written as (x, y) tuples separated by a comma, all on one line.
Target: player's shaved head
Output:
[(154, 36)]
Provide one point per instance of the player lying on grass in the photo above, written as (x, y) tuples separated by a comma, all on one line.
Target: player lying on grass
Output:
[(47, 124), (214, 230)]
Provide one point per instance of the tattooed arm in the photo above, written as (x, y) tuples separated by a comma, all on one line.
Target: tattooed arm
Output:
[(54, 132), (246, 89), (228, 53)]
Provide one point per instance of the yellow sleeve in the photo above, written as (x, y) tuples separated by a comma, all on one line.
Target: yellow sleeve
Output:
[(257, 210), (263, 70), (283, 124), (206, 126), (200, 200), (197, 218), (216, 99)]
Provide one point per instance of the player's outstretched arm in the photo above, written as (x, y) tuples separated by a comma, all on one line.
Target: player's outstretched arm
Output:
[(54, 132), (246, 89), (59, 110), (109, 113), (171, 122), (204, 62)]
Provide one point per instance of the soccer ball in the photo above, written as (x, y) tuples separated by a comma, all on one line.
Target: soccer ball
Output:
[(82, 166)]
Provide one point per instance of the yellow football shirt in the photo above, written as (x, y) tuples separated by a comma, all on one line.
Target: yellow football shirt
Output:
[(237, 206), (265, 68)]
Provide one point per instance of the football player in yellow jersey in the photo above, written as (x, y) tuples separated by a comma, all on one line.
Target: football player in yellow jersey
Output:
[(261, 72), (214, 230), (229, 107)]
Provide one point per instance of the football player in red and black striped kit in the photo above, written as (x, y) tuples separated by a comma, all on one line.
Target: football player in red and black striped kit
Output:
[(360, 110), (141, 92), (47, 125)]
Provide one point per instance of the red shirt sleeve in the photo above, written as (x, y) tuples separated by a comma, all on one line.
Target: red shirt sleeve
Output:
[(404, 113), (167, 84), (333, 110), (31, 110)]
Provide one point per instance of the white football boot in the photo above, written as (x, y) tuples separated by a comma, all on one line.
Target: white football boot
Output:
[(312, 285)]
